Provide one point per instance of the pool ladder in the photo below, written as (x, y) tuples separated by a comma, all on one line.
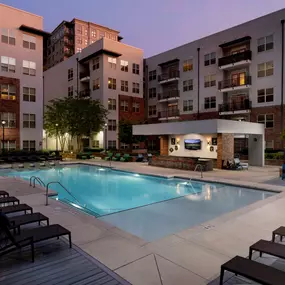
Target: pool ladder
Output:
[(201, 169)]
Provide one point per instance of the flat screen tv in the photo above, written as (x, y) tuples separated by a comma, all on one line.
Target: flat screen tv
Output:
[(192, 144)]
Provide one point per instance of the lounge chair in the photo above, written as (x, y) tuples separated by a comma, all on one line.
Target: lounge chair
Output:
[(253, 270), (8, 200), (109, 156), (278, 232), (4, 194), (283, 172), (117, 157), (29, 237), (125, 158), (238, 163), (16, 208), (42, 164), (139, 158)]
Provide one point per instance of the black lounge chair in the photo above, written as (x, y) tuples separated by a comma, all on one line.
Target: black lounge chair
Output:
[(16, 208), (269, 247), (8, 200), (278, 232), (17, 221), (29, 237), (4, 194), (254, 271)]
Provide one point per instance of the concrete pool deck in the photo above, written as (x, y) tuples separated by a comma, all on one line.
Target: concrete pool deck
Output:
[(192, 256)]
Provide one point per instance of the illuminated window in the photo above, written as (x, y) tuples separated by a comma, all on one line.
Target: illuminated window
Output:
[(112, 62), (8, 92), (112, 104), (10, 119), (188, 65), (210, 80), (124, 65), (112, 83), (265, 69)]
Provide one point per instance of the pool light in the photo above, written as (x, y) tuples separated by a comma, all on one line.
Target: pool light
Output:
[(101, 169), (136, 175)]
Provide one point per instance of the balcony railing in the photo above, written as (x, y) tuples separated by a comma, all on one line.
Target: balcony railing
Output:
[(68, 43), (169, 75), (235, 82), (168, 113), (84, 74), (234, 58), (169, 95), (68, 33), (238, 106), (84, 93)]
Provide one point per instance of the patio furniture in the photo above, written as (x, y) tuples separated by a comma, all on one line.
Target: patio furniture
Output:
[(139, 158), (278, 232), (269, 247), (253, 270), (238, 163), (117, 157), (4, 194), (17, 221), (16, 209), (125, 158), (283, 172), (28, 237), (8, 200)]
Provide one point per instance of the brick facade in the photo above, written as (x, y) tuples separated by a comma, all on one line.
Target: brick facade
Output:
[(225, 150), (11, 106), (130, 115)]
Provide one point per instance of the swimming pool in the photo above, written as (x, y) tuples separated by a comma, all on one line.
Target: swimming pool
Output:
[(105, 191)]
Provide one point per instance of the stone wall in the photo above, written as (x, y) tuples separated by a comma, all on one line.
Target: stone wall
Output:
[(225, 149)]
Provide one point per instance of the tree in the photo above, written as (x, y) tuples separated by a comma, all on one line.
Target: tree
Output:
[(77, 117), (126, 133)]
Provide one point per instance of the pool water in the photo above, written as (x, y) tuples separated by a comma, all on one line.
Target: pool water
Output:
[(104, 191)]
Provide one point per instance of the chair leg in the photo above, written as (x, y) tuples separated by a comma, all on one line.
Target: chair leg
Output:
[(250, 253), (222, 276), (273, 237), (281, 238), (48, 222), (260, 254), (70, 243)]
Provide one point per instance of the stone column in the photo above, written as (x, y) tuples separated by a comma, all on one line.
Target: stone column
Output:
[(225, 150), (163, 145)]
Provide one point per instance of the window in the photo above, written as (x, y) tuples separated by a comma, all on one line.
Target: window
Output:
[(124, 65), (124, 85), (8, 91), (265, 95), (79, 41), (96, 84), (111, 144), (29, 94), (152, 93), (86, 42), (29, 68), (269, 144), (136, 68), (86, 32), (187, 105), (10, 119), (29, 120), (29, 145), (136, 145), (112, 104), (210, 103), (29, 41), (112, 125), (112, 83), (210, 80), (70, 91), (8, 145), (70, 74), (8, 64), (79, 29), (210, 59), (93, 33), (8, 37), (267, 120), (265, 43), (79, 49), (96, 63), (124, 146), (187, 85), (136, 107), (96, 144), (152, 75), (112, 62), (136, 88), (152, 110), (265, 69), (188, 65), (124, 106)]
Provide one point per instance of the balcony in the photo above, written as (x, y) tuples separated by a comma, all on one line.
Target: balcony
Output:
[(84, 93), (169, 76), (68, 33), (68, 53), (234, 60), (171, 114), (235, 108), (68, 43), (84, 76), (235, 83), (168, 96)]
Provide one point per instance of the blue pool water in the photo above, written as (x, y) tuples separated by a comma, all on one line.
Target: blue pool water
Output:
[(104, 191)]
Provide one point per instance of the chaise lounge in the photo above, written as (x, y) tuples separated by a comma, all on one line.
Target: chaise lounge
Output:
[(8, 200), (16, 208)]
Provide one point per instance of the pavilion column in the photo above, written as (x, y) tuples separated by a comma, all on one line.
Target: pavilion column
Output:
[(163, 145), (225, 150)]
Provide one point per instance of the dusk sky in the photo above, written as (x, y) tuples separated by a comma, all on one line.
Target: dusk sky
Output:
[(153, 25)]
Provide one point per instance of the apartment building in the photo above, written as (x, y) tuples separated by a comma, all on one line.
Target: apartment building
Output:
[(235, 74), (21, 78), (71, 37), (109, 71)]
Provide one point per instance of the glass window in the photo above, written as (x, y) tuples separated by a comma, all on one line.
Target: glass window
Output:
[(8, 64), (112, 83), (8, 145), (152, 75), (265, 43), (136, 68), (8, 36), (29, 68), (210, 80), (29, 42), (10, 119), (70, 74), (265, 69), (124, 86), (210, 59), (187, 85), (112, 62), (112, 125), (112, 104), (267, 120), (152, 93), (187, 105), (265, 95), (111, 144), (96, 84), (152, 110), (124, 106), (29, 120), (124, 65), (29, 94), (96, 63), (70, 91), (188, 65), (136, 107), (136, 88), (210, 102), (8, 91), (29, 145)]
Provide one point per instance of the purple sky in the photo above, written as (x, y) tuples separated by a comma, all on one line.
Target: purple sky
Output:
[(153, 25)]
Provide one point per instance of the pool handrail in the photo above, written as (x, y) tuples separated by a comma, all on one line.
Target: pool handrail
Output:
[(38, 179), (201, 168)]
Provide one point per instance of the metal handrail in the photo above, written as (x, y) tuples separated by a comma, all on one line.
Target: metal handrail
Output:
[(201, 169), (57, 182), (38, 179)]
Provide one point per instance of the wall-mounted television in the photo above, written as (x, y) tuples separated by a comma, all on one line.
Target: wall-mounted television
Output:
[(192, 144)]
